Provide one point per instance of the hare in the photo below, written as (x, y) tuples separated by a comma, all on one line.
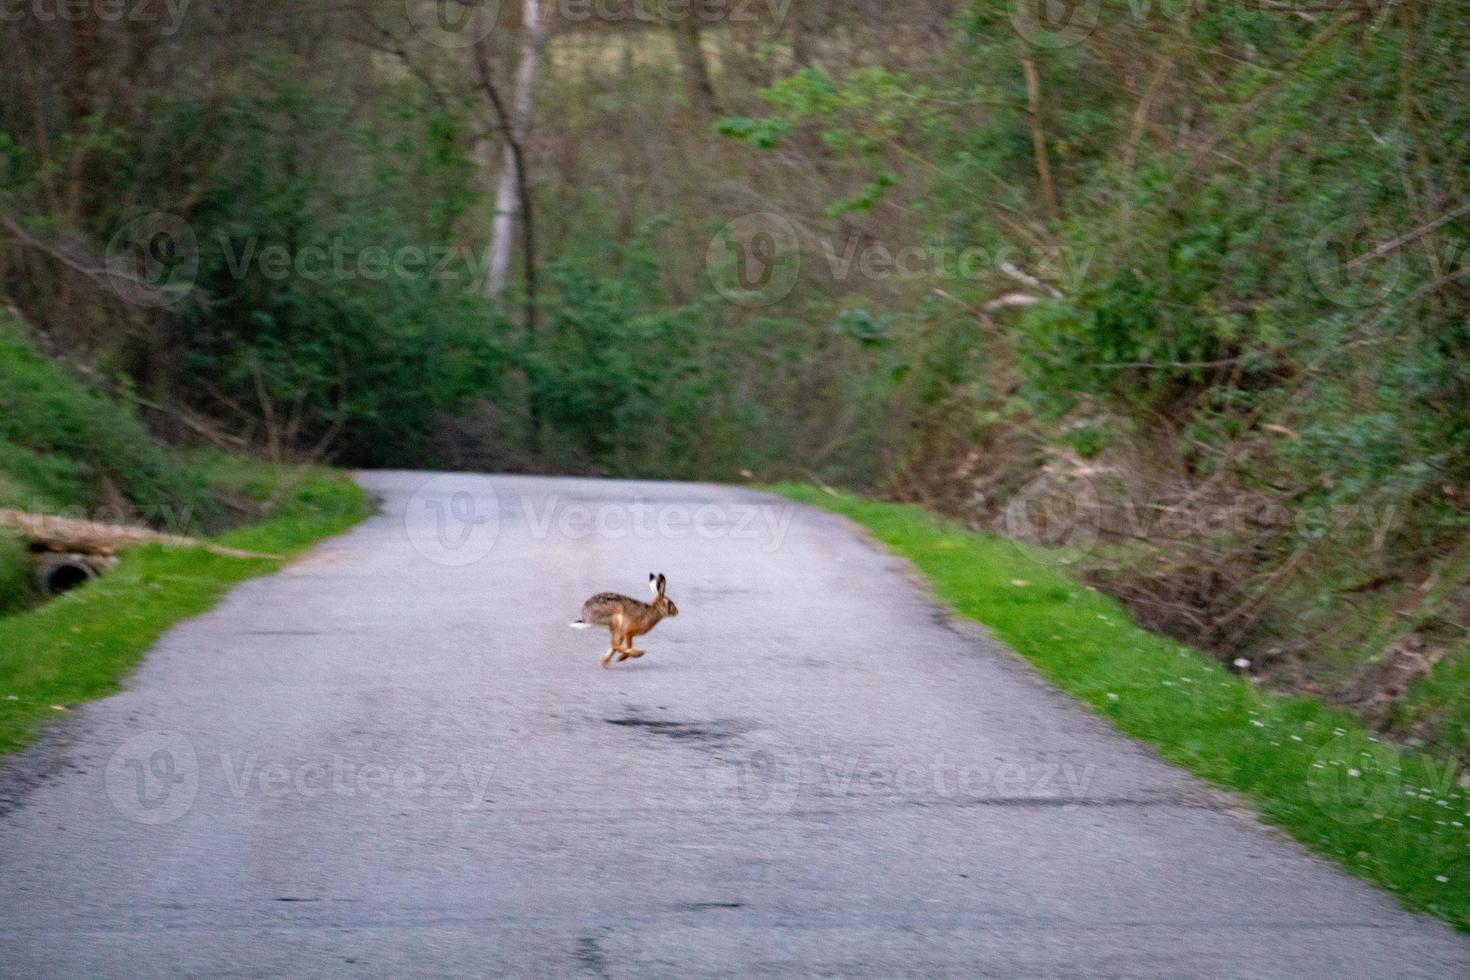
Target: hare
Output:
[(626, 618)]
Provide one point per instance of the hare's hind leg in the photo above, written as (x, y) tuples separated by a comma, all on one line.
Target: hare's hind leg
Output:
[(615, 631)]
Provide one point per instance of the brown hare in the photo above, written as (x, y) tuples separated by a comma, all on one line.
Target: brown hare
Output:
[(626, 618)]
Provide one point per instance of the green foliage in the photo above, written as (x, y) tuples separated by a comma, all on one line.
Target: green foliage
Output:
[(1437, 706), (617, 385), (338, 305), (864, 200), (763, 133)]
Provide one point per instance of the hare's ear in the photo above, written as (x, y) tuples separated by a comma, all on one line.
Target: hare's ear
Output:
[(653, 584), (663, 585)]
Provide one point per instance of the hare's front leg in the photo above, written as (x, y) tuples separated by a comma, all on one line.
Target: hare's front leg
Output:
[(622, 642), (626, 651), (625, 648)]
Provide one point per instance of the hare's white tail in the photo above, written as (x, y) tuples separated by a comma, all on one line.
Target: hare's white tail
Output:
[(579, 625)]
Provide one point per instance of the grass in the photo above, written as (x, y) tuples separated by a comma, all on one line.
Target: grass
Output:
[(79, 646), (1438, 704), (63, 445), (1392, 815)]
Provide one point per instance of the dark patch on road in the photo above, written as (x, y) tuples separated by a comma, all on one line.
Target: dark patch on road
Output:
[(50, 756), (589, 954), (706, 906), (671, 729)]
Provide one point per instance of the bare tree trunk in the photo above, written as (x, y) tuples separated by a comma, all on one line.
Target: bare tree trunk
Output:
[(688, 39), (1038, 135), (507, 194), (802, 19)]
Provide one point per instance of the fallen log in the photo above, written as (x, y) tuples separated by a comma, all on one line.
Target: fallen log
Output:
[(47, 532)]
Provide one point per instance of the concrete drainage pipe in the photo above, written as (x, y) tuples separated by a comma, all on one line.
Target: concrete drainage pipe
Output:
[(56, 572)]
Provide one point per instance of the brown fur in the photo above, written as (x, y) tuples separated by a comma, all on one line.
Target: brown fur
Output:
[(627, 618)]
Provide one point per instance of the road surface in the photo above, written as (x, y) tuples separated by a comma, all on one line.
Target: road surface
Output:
[(393, 758)]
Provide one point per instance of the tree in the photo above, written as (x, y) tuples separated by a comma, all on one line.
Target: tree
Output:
[(510, 194)]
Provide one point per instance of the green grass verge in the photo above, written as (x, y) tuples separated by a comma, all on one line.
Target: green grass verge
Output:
[(1391, 815), (79, 646)]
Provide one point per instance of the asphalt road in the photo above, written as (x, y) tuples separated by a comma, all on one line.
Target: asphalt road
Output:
[(393, 758)]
